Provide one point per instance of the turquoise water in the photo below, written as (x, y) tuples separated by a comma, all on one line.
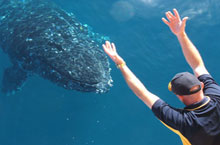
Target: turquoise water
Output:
[(44, 114)]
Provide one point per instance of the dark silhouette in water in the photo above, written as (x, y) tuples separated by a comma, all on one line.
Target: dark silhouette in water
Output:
[(40, 38)]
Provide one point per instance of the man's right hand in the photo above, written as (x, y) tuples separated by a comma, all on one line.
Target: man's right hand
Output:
[(176, 25)]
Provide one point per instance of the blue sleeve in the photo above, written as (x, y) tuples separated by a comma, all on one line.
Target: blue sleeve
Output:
[(172, 117), (210, 86)]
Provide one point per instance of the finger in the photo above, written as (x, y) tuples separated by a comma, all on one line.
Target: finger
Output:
[(171, 14), (176, 13), (103, 46), (107, 43), (113, 47), (106, 47), (107, 51), (165, 21), (169, 17), (184, 20)]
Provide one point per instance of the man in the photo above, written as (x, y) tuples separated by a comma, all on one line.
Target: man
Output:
[(199, 122)]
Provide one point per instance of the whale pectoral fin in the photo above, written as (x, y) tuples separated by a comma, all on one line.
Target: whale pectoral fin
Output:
[(13, 79)]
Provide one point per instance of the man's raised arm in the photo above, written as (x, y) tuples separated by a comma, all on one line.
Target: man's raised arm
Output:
[(133, 82), (177, 26)]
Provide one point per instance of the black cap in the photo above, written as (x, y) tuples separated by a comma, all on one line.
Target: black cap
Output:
[(182, 84)]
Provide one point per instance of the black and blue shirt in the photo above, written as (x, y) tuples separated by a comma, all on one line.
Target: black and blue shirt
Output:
[(196, 124)]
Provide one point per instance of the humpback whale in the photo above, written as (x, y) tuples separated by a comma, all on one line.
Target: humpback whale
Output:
[(42, 39)]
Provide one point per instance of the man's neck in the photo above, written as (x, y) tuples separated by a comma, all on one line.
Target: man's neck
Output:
[(192, 99)]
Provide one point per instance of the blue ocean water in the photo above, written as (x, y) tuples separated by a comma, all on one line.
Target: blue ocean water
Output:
[(44, 114)]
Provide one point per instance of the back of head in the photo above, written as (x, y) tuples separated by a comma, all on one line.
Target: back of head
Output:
[(187, 87), (184, 83)]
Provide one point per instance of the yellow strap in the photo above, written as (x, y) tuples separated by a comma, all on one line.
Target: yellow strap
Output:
[(121, 65)]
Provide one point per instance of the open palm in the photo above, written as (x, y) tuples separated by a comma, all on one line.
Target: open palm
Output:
[(110, 49), (174, 22)]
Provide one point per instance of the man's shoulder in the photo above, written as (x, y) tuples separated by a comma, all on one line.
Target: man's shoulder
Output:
[(215, 99), (211, 87), (204, 77)]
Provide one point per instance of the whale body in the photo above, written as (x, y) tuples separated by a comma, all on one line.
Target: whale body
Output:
[(42, 39)]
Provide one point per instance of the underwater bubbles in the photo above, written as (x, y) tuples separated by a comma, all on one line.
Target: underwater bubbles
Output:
[(122, 11)]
